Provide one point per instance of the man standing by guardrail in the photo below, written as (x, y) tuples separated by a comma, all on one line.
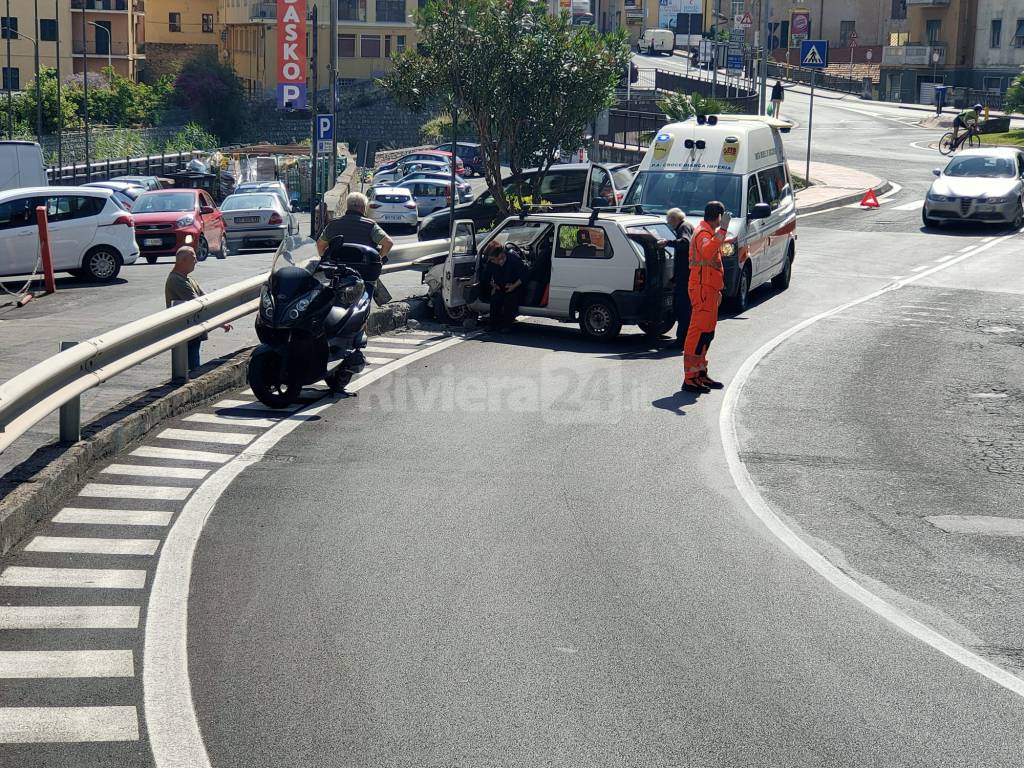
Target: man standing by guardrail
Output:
[(180, 286)]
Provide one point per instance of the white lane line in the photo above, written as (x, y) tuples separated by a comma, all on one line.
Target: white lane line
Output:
[(175, 739), (86, 516), (93, 545), (247, 393), (397, 352), (180, 454), (118, 491), (239, 420), (206, 436), (55, 725), (967, 248), (396, 340), (72, 578), (946, 258), (157, 472), (987, 525), (381, 360), (987, 239), (69, 617), (802, 549), (913, 206), (921, 268), (31, 664)]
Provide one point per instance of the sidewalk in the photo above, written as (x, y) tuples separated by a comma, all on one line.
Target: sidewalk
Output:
[(834, 185)]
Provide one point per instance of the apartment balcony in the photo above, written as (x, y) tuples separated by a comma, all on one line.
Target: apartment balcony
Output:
[(267, 11), (101, 5), (913, 55), (928, 3), (118, 49)]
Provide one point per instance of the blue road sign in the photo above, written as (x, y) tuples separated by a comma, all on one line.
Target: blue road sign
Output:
[(324, 132), (814, 54)]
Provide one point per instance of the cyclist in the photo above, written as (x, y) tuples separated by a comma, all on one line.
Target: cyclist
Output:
[(966, 119)]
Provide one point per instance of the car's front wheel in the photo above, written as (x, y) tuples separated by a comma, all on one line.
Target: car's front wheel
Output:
[(202, 249), (1018, 217), (102, 264), (738, 303)]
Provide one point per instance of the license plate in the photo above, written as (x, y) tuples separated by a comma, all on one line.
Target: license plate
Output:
[(391, 217), (247, 219), (152, 241)]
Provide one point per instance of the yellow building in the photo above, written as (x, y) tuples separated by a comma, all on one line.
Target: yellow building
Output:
[(54, 23), (370, 34), (109, 33), (177, 30)]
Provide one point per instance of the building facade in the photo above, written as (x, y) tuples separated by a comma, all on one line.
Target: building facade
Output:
[(998, 45), (109, 33), (53, 35), (370, 34), (177, 30)]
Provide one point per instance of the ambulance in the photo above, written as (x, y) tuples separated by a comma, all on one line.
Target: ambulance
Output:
[(738, 160)]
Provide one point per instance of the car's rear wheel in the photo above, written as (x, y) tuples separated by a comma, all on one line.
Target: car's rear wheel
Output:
[(101, 264), (599, 319), (659, 328), (223, 252), (781, 281)]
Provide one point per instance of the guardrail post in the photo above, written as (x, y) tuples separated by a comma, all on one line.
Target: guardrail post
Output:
[(70, 412), (179, 359)]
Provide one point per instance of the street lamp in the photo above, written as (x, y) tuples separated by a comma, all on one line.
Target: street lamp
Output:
[(110, 43), (39, 92)]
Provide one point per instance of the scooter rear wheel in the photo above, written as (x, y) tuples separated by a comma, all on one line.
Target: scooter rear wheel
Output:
[(270, 384)]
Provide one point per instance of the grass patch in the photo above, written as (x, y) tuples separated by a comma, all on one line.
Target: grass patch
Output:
[(1014, 138)]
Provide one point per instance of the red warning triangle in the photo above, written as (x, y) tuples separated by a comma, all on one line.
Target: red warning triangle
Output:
[(869, 200)]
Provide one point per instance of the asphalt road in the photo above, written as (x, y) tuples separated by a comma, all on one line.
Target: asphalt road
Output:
[(529, 550)]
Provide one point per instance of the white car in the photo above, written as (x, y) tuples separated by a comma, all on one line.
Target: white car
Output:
[(656, 41), (90, 235), (392, 205), (256, 219), (982, 185)]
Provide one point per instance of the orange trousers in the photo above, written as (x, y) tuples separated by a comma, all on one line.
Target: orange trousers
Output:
[(704, 317)]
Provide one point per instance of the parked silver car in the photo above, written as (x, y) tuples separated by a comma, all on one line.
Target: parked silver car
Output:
[(256, 220), (982, 185)]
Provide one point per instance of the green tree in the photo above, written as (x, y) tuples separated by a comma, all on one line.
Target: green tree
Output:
[(1015, 94), (682, 106), (125, 103), (528, 82), (23, 105), (212, 95)]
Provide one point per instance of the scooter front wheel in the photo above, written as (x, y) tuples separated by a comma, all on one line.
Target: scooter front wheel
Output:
[(272, 385), (337, 381)]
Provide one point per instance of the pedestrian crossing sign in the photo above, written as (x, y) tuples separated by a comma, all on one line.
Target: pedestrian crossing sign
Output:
[(814, 54)]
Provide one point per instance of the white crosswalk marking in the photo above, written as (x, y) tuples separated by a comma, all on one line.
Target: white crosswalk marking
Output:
[(397, 341), (93, 546), (385, 351), (380, 360), (249, 405), (159, 472), (180, 454), (83, 515), (32, 664), (69, 617), (912, 206), (113, 491), (72, 578), (235, 420), (206, 436), (39, 725)]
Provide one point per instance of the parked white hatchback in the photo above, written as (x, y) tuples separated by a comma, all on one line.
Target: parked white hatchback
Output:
[(90, 235), (393, 205)]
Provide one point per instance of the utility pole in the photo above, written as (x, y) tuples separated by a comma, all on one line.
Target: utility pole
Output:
[(314, 195), (85, 97), (39, 91), (333, 174), (766, 12), (8, 35), (60, 111), (714, 47), (455, 123), (110, 43)]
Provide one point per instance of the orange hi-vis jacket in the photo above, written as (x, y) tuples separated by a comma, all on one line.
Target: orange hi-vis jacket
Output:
[(705, 259)]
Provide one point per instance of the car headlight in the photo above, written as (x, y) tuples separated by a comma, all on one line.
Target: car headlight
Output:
[(266, 302), (936, 198), (352, 292), (185, 221), (995, 200)]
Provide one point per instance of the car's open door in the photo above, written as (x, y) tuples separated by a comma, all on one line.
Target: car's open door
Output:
[(461, 265)]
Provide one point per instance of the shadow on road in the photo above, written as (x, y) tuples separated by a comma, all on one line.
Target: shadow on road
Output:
[(675, 402)]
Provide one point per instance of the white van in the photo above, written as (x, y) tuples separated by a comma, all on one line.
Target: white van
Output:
[(738, 160), (656, 41), (21, 165), (601, 271)]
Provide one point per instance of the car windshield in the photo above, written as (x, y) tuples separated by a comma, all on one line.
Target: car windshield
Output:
[(657, 191), (248, 201), (981, 167), (165, 202)]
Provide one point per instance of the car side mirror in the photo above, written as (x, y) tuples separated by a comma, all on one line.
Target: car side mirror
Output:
[(936, 171), (760, 211), (206, 210)]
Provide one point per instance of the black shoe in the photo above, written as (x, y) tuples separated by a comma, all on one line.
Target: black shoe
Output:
[(695, 388), (710, 383)]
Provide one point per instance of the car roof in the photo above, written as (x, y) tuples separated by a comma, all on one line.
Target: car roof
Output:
[(578, 167), (432, 181), (170, 191), (112, 185), (258, 184), (990, 152), (46, 191), (625, 219), (389, 190)]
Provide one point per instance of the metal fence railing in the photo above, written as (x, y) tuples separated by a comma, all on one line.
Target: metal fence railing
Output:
[(821, 79), (103, 170)]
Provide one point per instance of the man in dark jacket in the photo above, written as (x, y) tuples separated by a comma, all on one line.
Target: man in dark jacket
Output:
[(506, 274), (356, 228), (681, 246)]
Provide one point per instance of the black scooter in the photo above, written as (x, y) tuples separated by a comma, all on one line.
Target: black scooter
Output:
[(312, 320)]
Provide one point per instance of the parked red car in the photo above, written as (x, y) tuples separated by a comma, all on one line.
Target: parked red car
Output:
[(167, 219)]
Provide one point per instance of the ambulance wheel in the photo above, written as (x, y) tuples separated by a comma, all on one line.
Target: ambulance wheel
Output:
[(781, 281), (443, 314), (599, 319), (738, 303)]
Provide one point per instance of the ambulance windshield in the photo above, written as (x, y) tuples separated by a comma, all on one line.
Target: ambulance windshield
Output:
[(657, 191)]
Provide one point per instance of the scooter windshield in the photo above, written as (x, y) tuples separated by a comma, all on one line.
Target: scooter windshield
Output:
[(296, 267)]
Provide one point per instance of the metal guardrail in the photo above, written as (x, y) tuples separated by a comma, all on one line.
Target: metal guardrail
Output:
[(58, 383)]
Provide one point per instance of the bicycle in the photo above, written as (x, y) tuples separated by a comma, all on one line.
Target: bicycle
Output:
[(971, 137)]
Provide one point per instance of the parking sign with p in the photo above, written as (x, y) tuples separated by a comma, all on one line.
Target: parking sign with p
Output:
[(324, 132)]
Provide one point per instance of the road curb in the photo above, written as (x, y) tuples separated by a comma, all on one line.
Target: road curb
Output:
[(853, 197), (40, 484)]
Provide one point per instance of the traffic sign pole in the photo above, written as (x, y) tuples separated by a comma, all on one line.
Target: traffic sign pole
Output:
[(810, 123)]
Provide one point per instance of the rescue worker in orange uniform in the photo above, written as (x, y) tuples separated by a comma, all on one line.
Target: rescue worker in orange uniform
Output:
[(707, 278)]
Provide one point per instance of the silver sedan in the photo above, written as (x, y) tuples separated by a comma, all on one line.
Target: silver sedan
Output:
[(256, 220), (983, 185)]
